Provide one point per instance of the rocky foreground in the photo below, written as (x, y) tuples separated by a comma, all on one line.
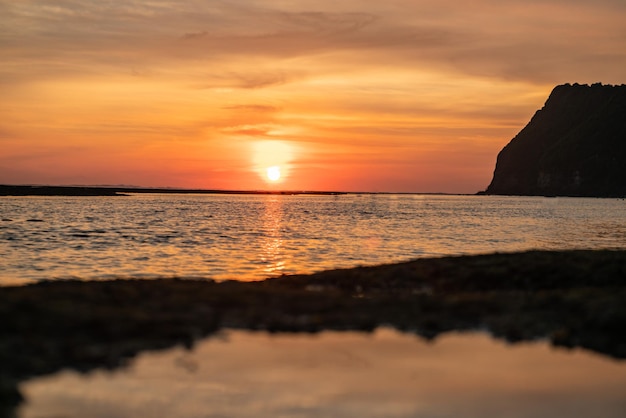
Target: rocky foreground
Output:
[(572, 298)]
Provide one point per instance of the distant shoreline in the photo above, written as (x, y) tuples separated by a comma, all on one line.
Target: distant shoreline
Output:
[(87, 191), (9, 190), (36, 190)]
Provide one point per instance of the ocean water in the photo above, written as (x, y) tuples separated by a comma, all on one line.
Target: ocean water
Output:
[(252, 237)]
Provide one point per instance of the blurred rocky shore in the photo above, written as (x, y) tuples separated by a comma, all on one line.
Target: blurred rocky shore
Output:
[(571, 298)]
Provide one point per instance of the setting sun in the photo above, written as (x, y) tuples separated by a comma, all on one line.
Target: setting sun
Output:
[(273, 173), (271, 159)]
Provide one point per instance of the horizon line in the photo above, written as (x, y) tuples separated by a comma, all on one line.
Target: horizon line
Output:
[(182, 190)]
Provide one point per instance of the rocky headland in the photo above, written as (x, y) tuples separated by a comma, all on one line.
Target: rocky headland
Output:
[(574, 146)]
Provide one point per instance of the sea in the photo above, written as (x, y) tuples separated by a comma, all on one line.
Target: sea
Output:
[(253, 237), (237, 372)]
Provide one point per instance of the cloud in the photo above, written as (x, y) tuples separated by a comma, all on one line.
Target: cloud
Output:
[(325, 23), (533, 41), (249, 130), (194, 35), (243, 79), (259, 80), (253, 108)]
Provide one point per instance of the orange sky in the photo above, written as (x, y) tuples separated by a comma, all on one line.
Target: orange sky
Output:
[(401, 95)]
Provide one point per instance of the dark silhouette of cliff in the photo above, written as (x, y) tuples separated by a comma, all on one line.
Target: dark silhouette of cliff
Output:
[(574, 146)]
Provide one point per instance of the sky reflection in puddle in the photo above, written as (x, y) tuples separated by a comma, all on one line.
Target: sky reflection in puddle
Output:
[(386, 374)]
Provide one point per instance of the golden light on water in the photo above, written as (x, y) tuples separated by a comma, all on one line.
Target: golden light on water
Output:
[(272, 255)]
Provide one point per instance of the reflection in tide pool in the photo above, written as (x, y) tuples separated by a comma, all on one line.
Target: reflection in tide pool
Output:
[(387, 374)]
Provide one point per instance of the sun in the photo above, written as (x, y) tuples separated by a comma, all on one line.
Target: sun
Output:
[(273, 173), (272, 160)]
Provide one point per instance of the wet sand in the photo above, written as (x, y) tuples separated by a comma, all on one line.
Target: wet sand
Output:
[(571, 298)]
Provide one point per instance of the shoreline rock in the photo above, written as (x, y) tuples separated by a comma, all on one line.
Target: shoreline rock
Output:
[(574, 146), (570, 298)]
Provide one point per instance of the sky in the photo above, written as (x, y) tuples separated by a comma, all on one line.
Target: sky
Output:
[(393, 96)]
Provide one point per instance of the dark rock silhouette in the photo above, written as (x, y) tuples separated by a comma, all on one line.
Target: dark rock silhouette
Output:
[(27, 190), (10, 190), (574, 146), (570, 298)]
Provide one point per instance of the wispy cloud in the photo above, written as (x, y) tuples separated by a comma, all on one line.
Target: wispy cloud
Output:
[(531, 41), (253, 108), (194, 35), (248, 130)]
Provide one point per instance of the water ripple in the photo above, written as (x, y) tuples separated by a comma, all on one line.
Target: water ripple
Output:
[(252, 237)]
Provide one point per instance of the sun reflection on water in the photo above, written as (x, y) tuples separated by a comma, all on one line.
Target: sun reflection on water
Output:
[(252, 237), (272, 254)]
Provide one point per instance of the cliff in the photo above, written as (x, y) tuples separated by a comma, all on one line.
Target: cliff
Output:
[(574, 146)]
